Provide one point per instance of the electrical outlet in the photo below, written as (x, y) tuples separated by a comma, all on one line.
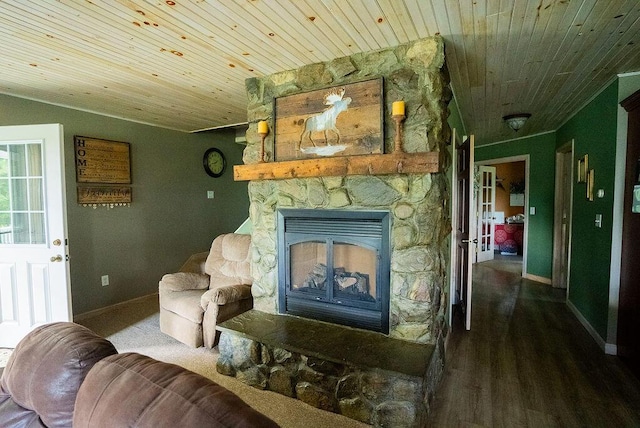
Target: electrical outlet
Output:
[(105, 280)]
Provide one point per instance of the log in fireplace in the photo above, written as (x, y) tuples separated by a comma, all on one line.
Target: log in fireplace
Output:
[(333, 266)]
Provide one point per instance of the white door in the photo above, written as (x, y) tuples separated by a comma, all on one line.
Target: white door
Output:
[(34, 271), (463, 248), (486, 212)]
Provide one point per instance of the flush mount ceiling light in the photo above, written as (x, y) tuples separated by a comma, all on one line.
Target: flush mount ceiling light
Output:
[(516, 121)]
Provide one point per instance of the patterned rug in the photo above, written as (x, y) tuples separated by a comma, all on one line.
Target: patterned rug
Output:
[(4, 356)]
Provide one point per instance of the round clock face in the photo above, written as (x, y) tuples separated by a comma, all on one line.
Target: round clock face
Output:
[(214, 162)]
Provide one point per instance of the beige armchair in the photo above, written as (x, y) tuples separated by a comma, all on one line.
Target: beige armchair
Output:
[(209, 288)]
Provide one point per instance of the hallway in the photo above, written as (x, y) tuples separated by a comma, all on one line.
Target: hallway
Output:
[(528, 362)]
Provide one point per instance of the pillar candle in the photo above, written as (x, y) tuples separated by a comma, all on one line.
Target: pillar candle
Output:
[(263, 127), (397, 108)]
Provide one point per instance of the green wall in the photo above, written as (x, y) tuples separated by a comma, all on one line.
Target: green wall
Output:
[(593, 130), (170, 217), (541, 151)]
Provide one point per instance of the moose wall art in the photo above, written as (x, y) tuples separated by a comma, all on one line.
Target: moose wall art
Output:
[(340, 121)]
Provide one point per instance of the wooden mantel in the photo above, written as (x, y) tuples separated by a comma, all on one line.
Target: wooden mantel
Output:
[(394, 163)]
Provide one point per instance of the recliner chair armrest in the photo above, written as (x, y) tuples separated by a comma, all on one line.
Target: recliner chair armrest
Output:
[(181, 281), (225, 294)]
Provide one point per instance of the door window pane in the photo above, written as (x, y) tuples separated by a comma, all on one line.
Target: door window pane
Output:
[(17, 160), (4, 161), (22, 205)]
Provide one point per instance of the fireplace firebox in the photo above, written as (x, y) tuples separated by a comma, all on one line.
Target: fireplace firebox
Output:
[(333, 265)]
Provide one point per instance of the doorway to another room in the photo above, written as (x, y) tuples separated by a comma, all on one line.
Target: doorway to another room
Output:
[(502, 186)]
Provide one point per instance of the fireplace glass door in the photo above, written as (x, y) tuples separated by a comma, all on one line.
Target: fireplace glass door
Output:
[(333, 269), (341, 272)]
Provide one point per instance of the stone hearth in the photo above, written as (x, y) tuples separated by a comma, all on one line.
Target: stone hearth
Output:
[(363, 375)]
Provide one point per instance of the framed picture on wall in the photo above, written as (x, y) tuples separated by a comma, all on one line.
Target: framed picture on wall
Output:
[(590, 183), (344, 120), (583, 167)]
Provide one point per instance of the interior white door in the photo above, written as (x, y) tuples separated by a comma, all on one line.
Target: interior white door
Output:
[(486, 212), (463, 247), (34, 267)]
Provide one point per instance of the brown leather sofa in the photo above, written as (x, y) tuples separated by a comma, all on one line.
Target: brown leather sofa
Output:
[(210, 288), (64, 375)]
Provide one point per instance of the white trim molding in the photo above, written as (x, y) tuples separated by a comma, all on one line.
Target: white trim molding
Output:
[(608, 348)]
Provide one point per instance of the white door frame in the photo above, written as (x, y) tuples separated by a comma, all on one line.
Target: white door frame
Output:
[(525, 237), (34, 277)]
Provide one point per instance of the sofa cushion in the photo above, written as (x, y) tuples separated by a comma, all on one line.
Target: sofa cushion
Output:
[(43, 374), (135, 390), (185, 303), (229, 260)]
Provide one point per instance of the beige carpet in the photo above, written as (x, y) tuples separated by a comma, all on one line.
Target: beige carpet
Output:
[(134, 327)]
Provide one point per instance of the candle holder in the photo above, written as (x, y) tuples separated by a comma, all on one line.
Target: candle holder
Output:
[(263, 130), (398, 118), (263, 135)]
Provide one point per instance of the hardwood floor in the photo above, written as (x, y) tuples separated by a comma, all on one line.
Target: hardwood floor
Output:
[(527, 362)]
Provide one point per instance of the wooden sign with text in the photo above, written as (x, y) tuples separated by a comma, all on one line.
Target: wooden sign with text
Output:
[(102, 161), (104, 195)]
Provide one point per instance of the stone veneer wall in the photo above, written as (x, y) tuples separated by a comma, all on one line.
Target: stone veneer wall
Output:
[(413, 72)]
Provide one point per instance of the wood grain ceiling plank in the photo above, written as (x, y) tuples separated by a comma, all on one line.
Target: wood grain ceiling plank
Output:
[(479, 28), (65, 69), (600, 42), (399, 20), (552, 36), (193, 33), (250, 27), (343, 44), (291, 26), (369, 16), (351, 24), (423, 12), (102, 66), (97, 50), (607, 59)]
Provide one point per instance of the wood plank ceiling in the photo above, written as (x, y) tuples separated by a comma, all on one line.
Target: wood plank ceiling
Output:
[(181, 64)]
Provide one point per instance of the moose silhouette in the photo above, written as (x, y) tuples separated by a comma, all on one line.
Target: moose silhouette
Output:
[(326, 121)]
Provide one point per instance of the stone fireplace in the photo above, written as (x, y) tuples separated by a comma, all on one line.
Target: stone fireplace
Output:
[(399, 286), (418, 203)]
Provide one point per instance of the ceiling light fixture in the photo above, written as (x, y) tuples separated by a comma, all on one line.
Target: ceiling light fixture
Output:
[(516, 121)]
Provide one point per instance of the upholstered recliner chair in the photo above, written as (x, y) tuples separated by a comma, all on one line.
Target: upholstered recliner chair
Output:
[(209, 288)]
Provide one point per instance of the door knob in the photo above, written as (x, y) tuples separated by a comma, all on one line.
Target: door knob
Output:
[(57, 258), (57, 242)]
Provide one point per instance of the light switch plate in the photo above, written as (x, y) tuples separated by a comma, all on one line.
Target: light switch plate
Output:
[(532, 210), (210, 194)]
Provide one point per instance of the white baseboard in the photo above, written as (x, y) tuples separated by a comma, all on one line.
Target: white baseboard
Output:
[(608, 348), (100, 311), (537, 278)]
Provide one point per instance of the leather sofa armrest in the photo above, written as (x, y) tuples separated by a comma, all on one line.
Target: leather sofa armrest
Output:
[(225, 294), (182, 281)]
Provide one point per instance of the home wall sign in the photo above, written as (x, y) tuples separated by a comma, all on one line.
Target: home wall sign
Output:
[(344, 120), (102, 161), (102, 167)]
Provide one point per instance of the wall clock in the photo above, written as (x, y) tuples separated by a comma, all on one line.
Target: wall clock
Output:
[(214, 162)]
